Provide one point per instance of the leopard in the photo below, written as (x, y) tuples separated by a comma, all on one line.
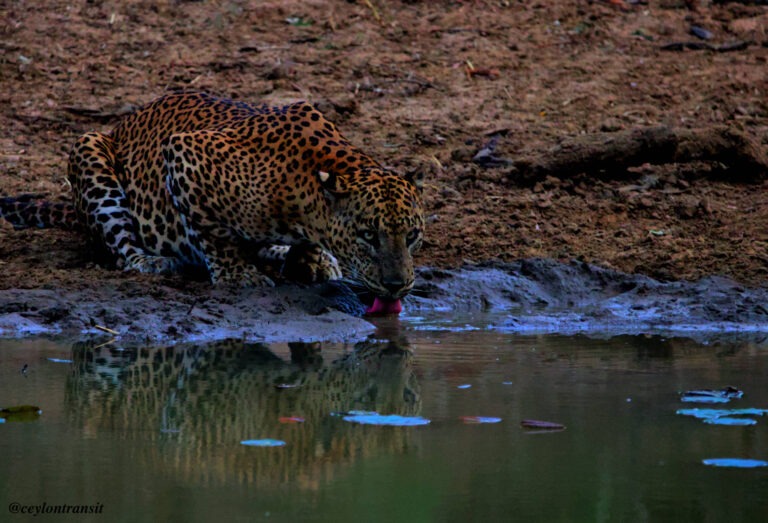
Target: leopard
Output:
[(193, 180), (185, 408)]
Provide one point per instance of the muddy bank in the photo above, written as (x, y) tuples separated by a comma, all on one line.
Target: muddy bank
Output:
[(135, 313), (534, 295), (543, 295)]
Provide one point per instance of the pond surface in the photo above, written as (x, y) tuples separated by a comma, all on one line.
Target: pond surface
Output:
[(154, 434)]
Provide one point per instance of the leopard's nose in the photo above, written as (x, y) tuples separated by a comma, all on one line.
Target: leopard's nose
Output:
[(396, 288)]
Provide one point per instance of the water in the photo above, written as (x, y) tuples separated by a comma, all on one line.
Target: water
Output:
[(154, 434)]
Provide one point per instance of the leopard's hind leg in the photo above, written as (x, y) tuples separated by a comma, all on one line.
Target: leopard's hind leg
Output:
[(101, 204)]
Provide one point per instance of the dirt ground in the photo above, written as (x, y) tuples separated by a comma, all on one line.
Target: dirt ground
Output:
[(421, 85)]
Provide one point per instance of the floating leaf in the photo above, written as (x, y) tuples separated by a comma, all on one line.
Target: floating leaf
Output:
[(479, 419), (711, 396), (21, 409), (374, 418), (20, 413), (290, 419), (541, 425), (735, 462), (712, 416), (704, 399), (267, 442), (355, 413), (730, 421)]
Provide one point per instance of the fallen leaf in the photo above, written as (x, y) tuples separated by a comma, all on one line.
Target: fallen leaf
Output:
[(479, 419), (290, 419), (724, 416), (723, 395), (735, 462), (374, 418), (20, 409), (541, 425), (263, 442), (20, 413)]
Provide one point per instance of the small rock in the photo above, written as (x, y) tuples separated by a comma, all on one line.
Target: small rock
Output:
[(700, 32), (646, 202), (544, 203), (746, 25), (611, 125)]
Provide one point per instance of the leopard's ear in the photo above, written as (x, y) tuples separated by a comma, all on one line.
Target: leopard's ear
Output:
[(416, 177), (333, 184)]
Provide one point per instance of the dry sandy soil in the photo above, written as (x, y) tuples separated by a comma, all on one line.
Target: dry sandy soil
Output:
[(422, 84)]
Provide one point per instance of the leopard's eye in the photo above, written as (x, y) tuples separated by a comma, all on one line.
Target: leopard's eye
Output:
[(412, 236), (369, 236)]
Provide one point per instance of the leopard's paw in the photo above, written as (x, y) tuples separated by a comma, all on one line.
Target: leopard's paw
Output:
[(152, 264), (310, 264)]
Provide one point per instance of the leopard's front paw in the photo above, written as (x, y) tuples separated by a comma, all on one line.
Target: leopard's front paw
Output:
[(310, 264), (247, 276)]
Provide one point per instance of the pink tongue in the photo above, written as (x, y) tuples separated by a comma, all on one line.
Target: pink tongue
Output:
[(384, 307)]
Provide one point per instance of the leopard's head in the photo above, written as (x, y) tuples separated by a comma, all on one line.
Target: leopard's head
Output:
[(377, 224)]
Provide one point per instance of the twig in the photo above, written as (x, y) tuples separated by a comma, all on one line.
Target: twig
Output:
[(99, 115), (106, 329), (375, 11), (108, 342), (739, 45)]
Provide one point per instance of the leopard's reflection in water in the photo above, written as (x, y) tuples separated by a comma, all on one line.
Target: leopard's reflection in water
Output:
[(187, 407)]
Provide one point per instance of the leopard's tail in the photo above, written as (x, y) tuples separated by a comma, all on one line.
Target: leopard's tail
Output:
[(31, 210)]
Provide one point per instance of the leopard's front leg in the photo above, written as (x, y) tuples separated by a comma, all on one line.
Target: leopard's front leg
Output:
[(303, 263), (224, 260)]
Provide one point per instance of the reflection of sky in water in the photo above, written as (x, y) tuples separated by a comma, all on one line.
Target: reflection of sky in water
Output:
[(725, 416), (263, 443), (393, 420), (735, 462), (570, 323)]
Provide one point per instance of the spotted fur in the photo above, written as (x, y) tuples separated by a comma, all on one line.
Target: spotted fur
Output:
[(30, 210), (202, 398), (194, 180)]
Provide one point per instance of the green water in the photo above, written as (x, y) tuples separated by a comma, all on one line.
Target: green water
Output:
[(154, 434)]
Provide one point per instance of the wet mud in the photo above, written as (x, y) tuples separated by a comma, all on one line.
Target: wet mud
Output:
[(532, 295), (541, 295), (133, 313)]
